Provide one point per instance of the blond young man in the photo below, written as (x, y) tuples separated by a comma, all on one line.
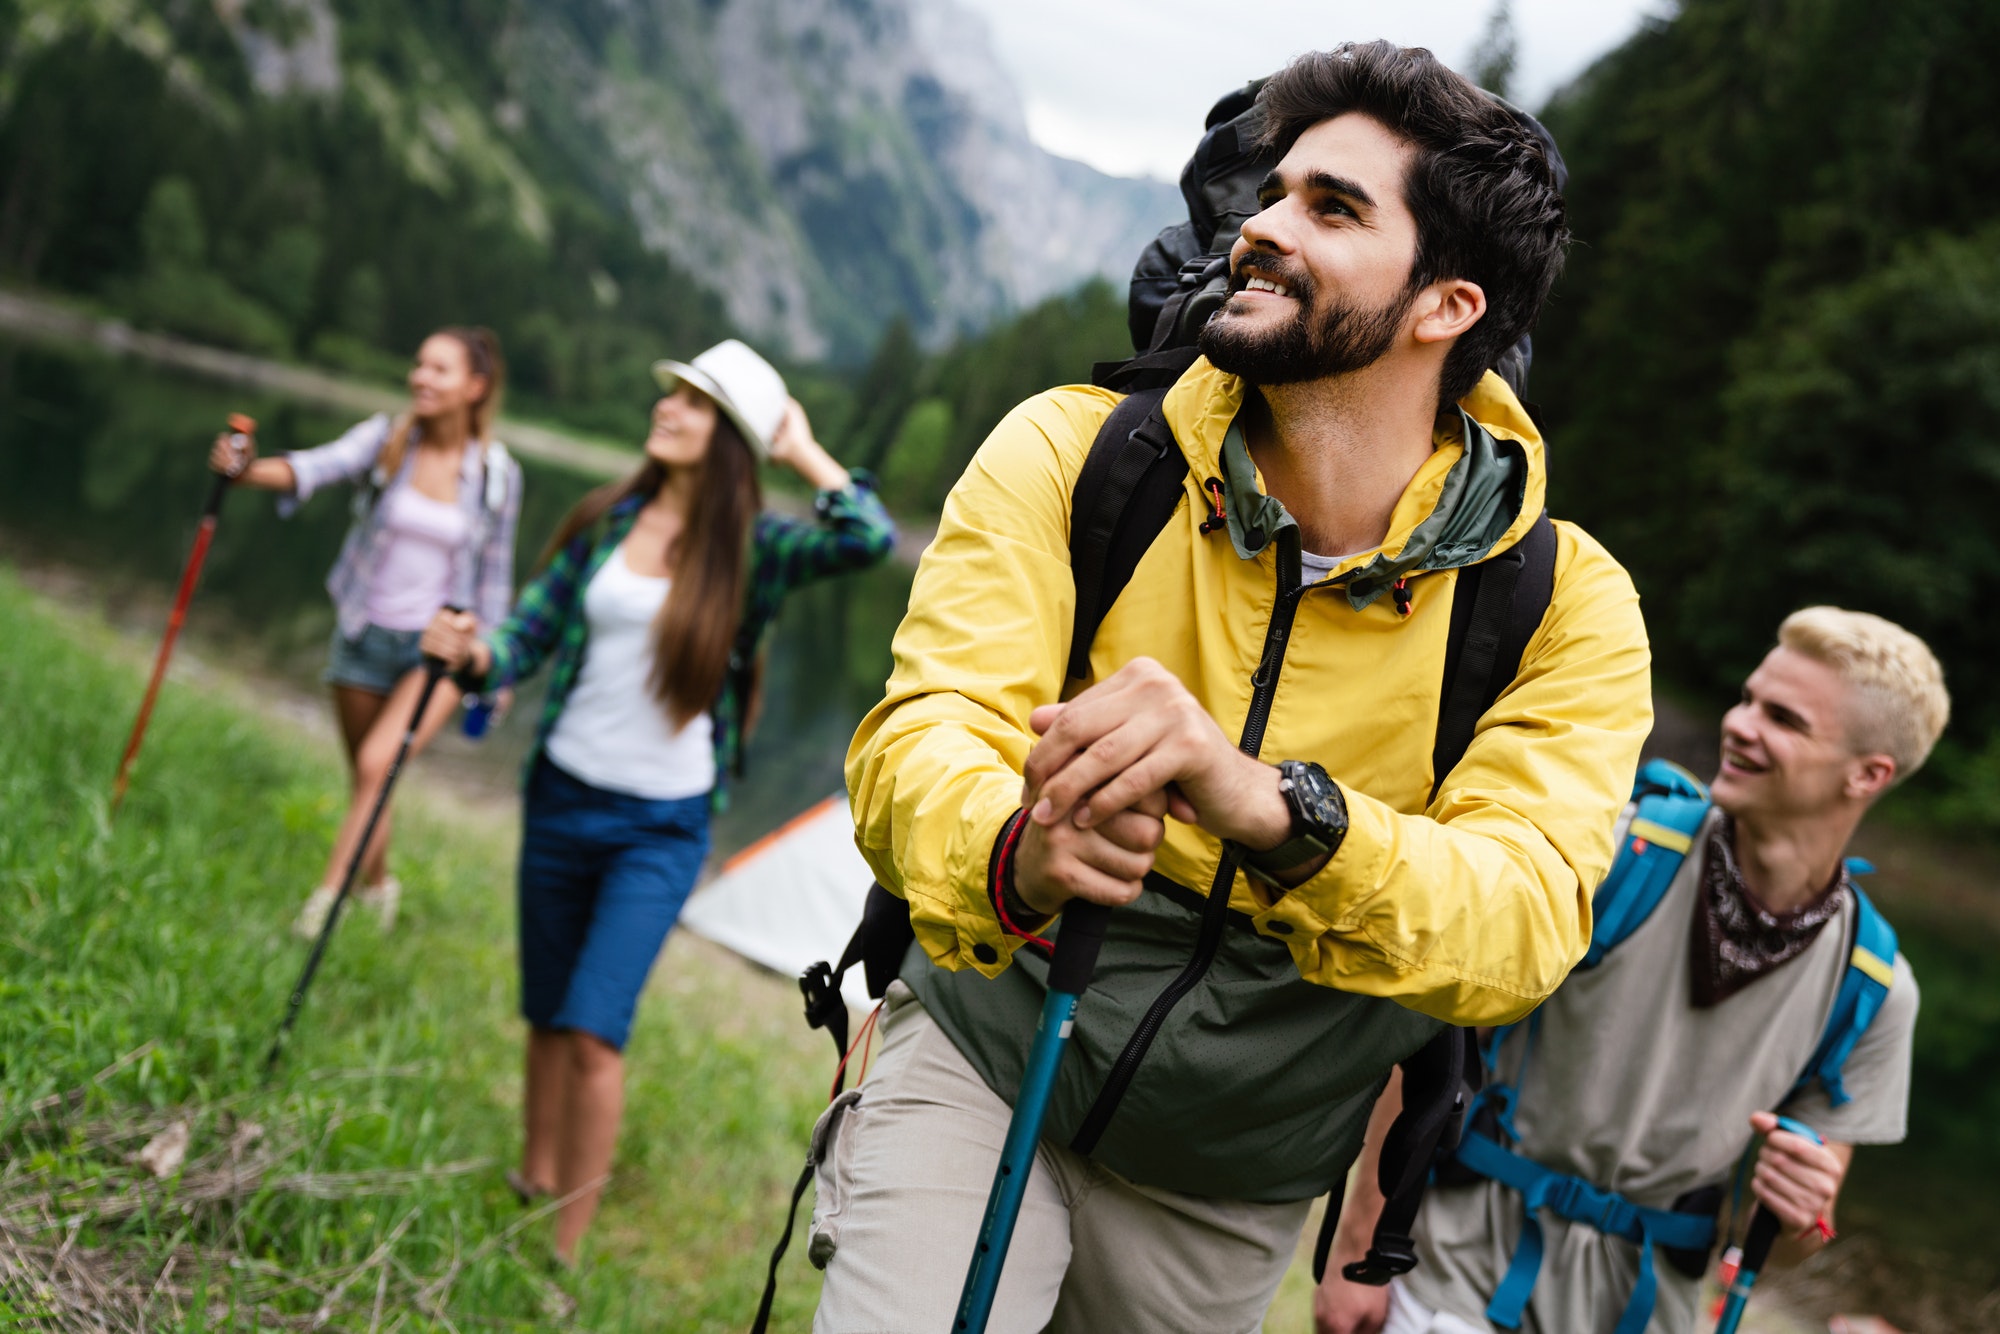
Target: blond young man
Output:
[(1650, 1074)]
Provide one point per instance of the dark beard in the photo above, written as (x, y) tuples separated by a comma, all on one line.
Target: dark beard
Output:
[(1312, 345)]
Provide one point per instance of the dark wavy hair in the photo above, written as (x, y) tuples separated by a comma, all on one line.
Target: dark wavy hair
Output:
[(1479, 185), (695, 632)]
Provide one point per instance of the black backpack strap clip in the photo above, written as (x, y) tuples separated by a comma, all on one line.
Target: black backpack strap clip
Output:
[(878, 945), (1438, 1083), (825, 1006)]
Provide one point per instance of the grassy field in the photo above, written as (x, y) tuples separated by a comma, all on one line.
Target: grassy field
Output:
[(144, 965)]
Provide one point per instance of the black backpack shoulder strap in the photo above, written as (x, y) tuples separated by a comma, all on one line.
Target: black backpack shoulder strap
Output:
[(1495, 610), (1127, 491)]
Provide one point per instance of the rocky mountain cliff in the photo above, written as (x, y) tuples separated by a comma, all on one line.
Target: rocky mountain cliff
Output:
[(824, 163), (818, 167)]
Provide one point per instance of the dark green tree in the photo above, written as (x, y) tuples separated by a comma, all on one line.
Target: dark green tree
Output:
[(1742, 359)]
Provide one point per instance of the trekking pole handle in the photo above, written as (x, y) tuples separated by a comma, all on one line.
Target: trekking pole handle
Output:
[(1082, 935), (1764, 1227), (241, 429), (438, 668), (1757, 1245)]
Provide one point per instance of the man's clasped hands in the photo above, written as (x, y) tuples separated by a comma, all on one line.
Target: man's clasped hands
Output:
[(1110, 767)]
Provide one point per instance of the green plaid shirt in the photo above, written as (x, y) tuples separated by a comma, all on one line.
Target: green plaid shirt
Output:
[(852, 532)]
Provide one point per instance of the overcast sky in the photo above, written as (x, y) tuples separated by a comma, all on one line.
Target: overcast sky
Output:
[(1124, 84)]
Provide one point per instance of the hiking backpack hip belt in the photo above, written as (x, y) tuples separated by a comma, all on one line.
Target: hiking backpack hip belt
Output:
[(1579, 1201)]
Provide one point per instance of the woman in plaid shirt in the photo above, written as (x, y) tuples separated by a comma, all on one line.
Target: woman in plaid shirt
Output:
[(655, 594), (435, 505)]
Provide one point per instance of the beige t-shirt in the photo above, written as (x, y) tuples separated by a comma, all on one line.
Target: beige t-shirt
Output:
[(1633, 1089)]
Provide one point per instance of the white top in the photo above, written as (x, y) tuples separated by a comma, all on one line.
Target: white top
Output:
[(613, 733), (417, 539), (1315, 568)]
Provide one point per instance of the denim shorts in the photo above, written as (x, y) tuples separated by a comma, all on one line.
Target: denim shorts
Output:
[(374, 660), (603, 878)]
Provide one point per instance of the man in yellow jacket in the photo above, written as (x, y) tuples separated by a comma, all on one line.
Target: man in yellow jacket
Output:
[(1257, 722)]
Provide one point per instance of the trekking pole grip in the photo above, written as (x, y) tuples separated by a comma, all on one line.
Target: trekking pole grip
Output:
[(1083, 926), (436, 669), (239, 425)]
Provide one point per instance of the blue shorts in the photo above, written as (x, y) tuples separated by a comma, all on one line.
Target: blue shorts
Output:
[(374, 660), (603, 878)]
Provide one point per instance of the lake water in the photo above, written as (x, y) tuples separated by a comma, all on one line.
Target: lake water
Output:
[(102, 470)]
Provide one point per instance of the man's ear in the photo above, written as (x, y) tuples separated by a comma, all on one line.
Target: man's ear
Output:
[(1870, 777), (1447, 308)]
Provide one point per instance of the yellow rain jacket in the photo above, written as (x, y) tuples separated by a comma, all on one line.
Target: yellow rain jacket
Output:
[(1467, 909)]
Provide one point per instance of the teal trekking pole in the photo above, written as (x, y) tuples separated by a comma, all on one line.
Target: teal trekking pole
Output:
[(1083, 926), (1756, 1247)]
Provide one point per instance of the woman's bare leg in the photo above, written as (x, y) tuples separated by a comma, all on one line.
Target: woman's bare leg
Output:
[(371, 761), (544, 1109), (355, 710), (590, 1133)]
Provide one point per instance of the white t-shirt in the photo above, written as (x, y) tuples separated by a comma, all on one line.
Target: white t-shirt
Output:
[(613, 733), (418, 537), (1315, 568)]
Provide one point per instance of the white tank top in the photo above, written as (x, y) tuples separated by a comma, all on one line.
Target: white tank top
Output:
[(412, 577), (612, 732)]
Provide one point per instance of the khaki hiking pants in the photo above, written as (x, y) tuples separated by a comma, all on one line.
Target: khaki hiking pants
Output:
[(901, 1187)]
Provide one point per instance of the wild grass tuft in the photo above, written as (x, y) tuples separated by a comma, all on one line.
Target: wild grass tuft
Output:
[(144, 965)]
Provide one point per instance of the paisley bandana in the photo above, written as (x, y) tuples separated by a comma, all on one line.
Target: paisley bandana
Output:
[(1735, 939)]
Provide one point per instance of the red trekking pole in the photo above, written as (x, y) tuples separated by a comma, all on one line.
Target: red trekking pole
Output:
[(242, 427)]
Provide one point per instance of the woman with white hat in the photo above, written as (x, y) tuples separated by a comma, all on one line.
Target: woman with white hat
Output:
[(653, 598)]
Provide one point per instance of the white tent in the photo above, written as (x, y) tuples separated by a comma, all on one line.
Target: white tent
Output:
[(791, 898)]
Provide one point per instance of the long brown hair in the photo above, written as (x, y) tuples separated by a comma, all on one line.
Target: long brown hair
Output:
[(696, 629), (482, 355)]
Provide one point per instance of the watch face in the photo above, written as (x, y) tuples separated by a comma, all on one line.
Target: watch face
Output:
[(1316, 800)]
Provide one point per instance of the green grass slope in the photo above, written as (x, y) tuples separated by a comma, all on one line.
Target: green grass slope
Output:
[(144, 966)]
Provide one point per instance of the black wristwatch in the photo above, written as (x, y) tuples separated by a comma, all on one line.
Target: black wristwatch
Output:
[(1319, 819)]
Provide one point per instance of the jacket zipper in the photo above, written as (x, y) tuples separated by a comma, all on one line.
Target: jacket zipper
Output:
[(1215, 911)]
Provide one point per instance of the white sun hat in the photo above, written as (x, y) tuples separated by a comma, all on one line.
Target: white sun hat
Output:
[(746, 387)]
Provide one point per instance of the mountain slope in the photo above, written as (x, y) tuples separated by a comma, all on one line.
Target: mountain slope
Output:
[(815, 168), (826, 165)]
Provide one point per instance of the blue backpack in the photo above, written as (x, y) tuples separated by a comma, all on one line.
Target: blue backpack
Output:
[(1670, 807)]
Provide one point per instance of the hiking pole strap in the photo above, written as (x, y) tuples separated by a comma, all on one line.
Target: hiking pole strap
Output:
[(1077, 945)]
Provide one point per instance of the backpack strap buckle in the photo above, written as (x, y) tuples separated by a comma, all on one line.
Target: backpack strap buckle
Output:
[(823, 999), (1389, 1257)]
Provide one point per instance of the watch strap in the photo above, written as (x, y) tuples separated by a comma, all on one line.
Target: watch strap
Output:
[(1292, 852)]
